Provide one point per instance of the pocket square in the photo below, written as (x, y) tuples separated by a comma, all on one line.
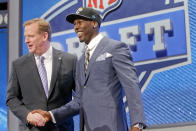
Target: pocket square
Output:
[(108, 55), (103, 56)]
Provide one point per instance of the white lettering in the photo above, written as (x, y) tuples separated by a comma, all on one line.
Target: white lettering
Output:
[(167, 2), (74, 46), (158, 29), (130, 34)]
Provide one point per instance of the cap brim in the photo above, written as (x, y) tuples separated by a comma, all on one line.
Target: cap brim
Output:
[(70, 18)]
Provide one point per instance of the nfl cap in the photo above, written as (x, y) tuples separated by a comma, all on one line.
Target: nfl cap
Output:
[(85, 13)]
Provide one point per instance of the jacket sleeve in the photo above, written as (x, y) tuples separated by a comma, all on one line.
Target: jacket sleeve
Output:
[(14, 96), (126, 72), (72, 108)]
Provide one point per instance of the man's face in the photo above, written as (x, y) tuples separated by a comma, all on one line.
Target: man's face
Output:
[(84, 30), (34, 39)]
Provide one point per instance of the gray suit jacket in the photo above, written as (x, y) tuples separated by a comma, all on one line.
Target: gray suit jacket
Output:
[(25, 92), (110, 71)]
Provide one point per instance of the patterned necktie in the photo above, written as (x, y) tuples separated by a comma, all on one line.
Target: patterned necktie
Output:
[(87, 56), (43, 74)]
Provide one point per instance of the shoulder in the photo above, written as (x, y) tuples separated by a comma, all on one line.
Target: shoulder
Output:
[(64, 55), (110, 41), (114, 44), (22, 59)]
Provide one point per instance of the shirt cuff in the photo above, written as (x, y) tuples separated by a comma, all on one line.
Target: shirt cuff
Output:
[(53, 119), (139, 125)]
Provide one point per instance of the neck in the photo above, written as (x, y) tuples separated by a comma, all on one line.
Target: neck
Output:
[(44, 48), (93, 36)]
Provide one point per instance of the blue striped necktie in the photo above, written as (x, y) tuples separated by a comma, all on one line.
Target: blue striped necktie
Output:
[(43, 74)]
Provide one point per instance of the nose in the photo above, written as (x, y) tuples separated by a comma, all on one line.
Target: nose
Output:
[(76, 27), (26, 40)]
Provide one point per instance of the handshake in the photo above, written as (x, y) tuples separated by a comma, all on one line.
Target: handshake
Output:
[(38, 117)]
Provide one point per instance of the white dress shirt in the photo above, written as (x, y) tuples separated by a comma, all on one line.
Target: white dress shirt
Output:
[(93, 43), (47, 63)]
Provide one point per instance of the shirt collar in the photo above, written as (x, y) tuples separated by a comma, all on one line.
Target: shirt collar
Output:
[(47, 54), (95, 41)]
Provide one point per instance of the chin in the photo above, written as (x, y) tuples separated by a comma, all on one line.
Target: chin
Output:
[(81, 40), (31, 51)]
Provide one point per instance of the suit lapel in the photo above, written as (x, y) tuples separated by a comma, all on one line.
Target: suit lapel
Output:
[(56, 62), (96, 53), (82, 77), (32, 67)]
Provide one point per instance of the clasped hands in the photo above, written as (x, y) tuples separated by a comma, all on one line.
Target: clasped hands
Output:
[(38, 117)]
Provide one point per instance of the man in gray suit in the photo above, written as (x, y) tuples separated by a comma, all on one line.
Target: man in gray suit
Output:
[(103, 72), (42, 79)]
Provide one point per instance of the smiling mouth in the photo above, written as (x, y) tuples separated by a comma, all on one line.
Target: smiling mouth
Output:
[(30, 46), (79, 34)]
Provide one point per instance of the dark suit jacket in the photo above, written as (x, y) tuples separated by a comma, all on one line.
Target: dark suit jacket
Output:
[(110, 71), (25, 92)]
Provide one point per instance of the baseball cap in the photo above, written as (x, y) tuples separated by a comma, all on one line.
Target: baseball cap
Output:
[(85, 13)]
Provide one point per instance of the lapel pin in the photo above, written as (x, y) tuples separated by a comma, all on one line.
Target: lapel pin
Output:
[(60, 58)]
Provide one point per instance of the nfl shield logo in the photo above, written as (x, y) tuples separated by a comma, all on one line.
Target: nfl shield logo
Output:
[(103, 6)]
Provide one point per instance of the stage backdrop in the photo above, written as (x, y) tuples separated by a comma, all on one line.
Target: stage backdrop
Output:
[(3, 79), (3, 66), (157, 32)]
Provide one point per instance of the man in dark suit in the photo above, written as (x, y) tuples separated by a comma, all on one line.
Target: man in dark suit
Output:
[(103, 72), (42, 79)]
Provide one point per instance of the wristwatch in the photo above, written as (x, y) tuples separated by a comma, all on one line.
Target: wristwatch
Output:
[(139, 125)]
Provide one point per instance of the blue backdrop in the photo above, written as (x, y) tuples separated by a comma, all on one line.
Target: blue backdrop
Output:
[(3, 79), (3, 76)]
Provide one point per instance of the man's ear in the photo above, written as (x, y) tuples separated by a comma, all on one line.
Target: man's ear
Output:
[(45, 35), (95, 25)]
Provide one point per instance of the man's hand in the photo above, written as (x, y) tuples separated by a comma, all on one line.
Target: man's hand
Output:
[(36, 119), (135, 129), (45, 114)]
